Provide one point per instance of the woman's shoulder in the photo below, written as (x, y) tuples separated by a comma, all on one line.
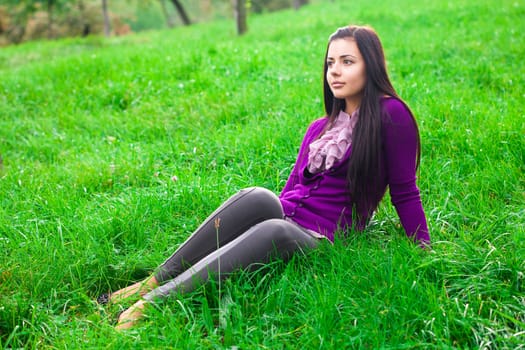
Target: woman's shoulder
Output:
[(396, 110), (317, 125), (319, 121)]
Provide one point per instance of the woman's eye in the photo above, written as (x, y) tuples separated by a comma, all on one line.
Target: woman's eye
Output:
[(347, 62), (329, 63)]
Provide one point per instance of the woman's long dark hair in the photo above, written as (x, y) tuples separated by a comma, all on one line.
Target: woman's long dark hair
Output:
[(366, 167)]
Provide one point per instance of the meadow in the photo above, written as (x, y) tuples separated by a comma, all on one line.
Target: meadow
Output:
[(114, 150)]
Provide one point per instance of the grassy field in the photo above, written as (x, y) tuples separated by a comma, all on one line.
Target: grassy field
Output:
[(114, 150)]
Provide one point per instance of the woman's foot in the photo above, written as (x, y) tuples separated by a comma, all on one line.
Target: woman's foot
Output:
[(130, 317), (136, 289)]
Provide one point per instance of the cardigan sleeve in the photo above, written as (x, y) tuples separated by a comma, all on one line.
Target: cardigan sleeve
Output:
[(400, 137)]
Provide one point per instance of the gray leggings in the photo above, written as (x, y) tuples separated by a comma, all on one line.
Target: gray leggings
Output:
[(251, 232)]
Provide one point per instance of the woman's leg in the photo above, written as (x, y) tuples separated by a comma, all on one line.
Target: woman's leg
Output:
[(243, 210), (264, 241), (257, 246), (240, 212)]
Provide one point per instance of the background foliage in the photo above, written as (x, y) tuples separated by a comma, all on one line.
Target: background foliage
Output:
[(50, 19), (114, 149)]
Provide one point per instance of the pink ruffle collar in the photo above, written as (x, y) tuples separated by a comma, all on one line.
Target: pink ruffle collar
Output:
[(333, 144)]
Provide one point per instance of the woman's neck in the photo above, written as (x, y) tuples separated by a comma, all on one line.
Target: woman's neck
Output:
[(352, 105)]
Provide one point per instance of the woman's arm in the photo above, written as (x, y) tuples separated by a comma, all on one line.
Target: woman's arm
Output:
[(400, 137)]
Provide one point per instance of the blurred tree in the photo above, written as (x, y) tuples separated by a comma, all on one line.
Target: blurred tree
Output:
[(105, 13), (3, 20), (86, 26), (239, 10), (50, 6), (182, 12)]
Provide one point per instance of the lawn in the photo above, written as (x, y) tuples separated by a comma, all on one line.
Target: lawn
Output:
[(114, 150)]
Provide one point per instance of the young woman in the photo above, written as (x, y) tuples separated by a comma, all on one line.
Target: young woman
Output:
[(367, 141)]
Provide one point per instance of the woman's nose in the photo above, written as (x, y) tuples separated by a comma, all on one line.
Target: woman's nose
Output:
[(334, 70)]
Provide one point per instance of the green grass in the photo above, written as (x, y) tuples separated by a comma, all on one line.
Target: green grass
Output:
[(93, 130)]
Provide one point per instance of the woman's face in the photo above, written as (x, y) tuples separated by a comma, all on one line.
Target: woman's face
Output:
[(346, 73)]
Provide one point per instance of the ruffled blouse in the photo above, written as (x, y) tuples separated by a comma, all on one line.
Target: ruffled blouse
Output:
[(333, 144)]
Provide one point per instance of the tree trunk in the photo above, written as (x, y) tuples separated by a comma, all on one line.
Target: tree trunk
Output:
[(298, 3), (50, 19), (86, 28), (169, 19), (183, 15), (107, 24), (239, 8)]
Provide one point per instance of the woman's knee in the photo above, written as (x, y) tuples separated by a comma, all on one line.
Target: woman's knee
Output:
[(266, 202)]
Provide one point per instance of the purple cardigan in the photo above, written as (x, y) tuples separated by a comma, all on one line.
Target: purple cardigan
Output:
[(322, 202)]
